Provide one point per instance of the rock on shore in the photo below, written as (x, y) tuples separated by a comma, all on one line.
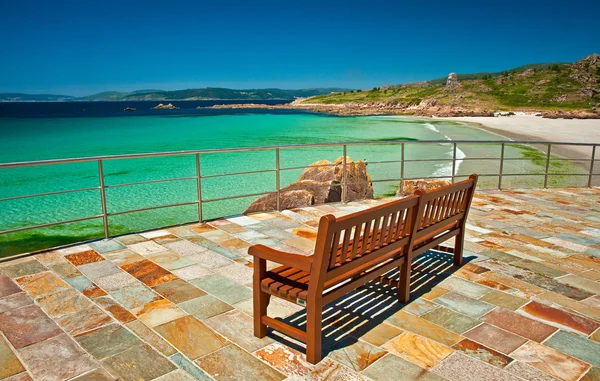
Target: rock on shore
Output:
[(320, 183), (409, 187), (161, 106)]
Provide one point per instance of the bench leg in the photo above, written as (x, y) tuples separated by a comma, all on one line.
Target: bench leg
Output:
[(314, 323), (459, 241), (404, 283), (260, 298)]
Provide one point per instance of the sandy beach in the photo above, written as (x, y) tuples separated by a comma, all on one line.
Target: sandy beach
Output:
[(529, 127)]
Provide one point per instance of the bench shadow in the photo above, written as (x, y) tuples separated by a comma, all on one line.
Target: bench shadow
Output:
[(358, 312)]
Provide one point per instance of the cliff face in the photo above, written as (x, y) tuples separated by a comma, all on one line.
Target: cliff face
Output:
[(552, 88), (318, 184)]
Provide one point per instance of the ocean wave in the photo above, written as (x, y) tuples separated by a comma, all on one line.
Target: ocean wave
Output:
[(445, 170)]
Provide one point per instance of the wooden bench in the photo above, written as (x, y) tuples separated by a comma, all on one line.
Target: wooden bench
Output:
[(353, 250)]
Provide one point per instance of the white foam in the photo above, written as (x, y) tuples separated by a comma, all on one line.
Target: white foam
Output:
[(445, 170)]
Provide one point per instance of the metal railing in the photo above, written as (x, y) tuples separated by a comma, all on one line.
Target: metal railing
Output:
[(278, 169)]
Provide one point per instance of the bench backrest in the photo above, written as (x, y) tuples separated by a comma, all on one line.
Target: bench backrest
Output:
[(346, 244), (444, 209)]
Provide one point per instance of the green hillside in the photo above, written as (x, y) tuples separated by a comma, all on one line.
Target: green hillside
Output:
[(20, 97), (550, 86)]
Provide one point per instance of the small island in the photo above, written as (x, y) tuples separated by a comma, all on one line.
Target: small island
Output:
[(161, 106)]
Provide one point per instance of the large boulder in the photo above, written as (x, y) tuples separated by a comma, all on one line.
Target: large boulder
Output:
[(318, 184), (452, 81), (409, 187)]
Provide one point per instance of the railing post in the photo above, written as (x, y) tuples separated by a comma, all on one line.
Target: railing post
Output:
[(453, 163), (547, 166), (501, 167), (103, 198), (199, 185), (589, 185), (344, 180), (278, 178)]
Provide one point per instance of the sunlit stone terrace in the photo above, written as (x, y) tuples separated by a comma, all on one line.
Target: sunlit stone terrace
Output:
[(176, 304)]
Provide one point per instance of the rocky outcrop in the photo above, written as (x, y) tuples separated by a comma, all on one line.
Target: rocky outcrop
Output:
[(409, 187), (318, 184), (161, 106), (452, 81)]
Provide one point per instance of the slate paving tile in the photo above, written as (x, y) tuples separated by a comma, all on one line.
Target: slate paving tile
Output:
[(95, 375), (84, 320), (463, 304), (106, 246), (131, 239), (381, 334), (107, 341), (419, 307), (205, 307), (518, 324), (558, 287), (576, 346), (495, 338), (149, 336), (123, 257), (461, 367), (559, 318), (451, 320), (63, 302), (41, 284), (64, 270), (192, 337), (138, 363), (192, 272), (115, 281), (135, 296), (7, 286), (210, 260), (178, 375), (560, 301), (84, 257), (159, 312), (27, 325), (218, 366), (190, 368), (357, 355), (223, 288), (171, 261), (527, 372), (504, 300), (239, 328), (149, 273), (550, 361), (423, 327), (178, 291), (392, 367), (288, 361), (464, 287), (539, 268), (9, 362), (14, 301), (581, 283), (148, 247), (23, 376), (239, 273), (483, 353), (58, 358), (416, 349), (99, 269), (593, 301), (28, 267), (115, 309)]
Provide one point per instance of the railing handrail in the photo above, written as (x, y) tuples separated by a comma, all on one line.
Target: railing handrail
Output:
[(272, 147)]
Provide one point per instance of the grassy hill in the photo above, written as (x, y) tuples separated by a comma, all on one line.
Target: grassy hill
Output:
[(20, 97), (210, 93), (550, 86)]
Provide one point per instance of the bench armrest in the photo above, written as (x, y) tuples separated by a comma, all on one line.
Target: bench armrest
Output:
[(297, 261)]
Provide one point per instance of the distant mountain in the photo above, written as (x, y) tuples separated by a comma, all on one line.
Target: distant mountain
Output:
[(209, 93), (19, 97)]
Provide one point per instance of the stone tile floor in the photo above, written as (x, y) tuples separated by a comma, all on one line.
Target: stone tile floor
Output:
[(176, 304)]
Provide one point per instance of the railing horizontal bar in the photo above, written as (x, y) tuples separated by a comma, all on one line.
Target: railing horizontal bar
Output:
[(384, 162), (152, 208), (308, 166), (480, 158), (240, 196), (238, 173), (266, 148), (150, 182), (49, 193), (426, 160), (49, 224)]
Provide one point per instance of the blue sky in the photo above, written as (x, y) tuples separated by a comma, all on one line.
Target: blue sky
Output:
[(81, 47)]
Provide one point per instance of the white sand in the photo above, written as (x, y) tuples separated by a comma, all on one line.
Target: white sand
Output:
[(529, 127)]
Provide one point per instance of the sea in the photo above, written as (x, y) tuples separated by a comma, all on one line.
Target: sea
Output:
[(54, 130)]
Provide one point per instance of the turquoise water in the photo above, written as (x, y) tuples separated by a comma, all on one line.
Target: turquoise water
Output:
[(25, 139)]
